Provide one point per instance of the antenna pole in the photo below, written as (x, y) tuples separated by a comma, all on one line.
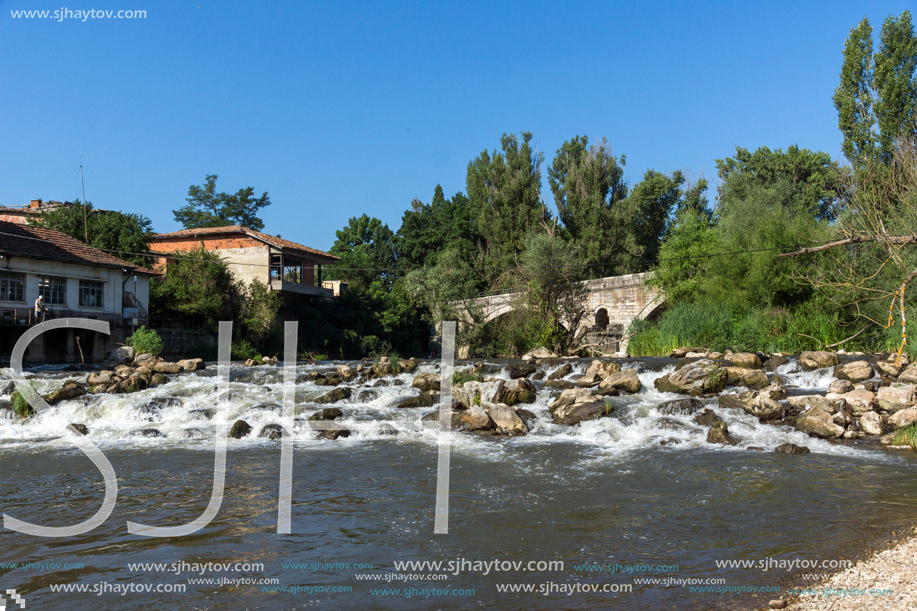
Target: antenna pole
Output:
[(85, 221)]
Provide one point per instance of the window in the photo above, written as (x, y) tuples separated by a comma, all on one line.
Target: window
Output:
[(292, 270), (12, 287), (276, 264), (53, 289), (91, 293)]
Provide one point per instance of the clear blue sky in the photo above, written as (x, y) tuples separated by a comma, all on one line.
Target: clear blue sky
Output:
[(341, 108)]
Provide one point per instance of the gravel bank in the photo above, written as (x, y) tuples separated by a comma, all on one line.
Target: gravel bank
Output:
[(894, 569)]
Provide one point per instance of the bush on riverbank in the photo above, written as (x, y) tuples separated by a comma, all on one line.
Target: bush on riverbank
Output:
[(906, 437), (715, 326), (145, 341)]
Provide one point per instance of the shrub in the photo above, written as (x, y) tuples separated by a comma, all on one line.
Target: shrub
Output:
[(906, 436), (460, 377), (20, 406), (145, 340), (242, 350)]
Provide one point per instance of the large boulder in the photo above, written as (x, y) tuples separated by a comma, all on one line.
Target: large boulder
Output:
[(476, 418), (505, 419), (516, 391), (560, 372), (521, 370), (759, 404), (896, 398), (840, 387), (167, 367), (598, 371), (190, 365), (889, 368), (571, 396), (121, 355), (473, 393), (871, 424), (626, 380), (328, 413), (346, 373), (903, 418), (423, 400), (855, 371), (455, 419), (745, 360), (427, 382), (719, 433), (820, 423), (338, 394), (817, 359), (859, 400), (240, 429), (743, 376), (791, 448), (703, 377), (575, 413), (909, 375), (70, 390), (804, 402), (680, 407), (97, 378), (539, 353)]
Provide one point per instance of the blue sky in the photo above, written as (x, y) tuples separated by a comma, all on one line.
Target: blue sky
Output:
[(341, 108)]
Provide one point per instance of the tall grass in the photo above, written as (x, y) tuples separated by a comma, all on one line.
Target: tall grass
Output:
[(714, 326)]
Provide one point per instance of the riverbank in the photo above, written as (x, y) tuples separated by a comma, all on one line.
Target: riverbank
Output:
[(883, 580)]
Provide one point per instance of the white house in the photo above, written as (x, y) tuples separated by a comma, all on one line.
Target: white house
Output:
[(75, 280)]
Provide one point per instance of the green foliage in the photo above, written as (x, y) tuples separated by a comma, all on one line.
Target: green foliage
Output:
[(20, 406), (504, 193), (429, 229), (460, 377), (198, 287), (367, 251), (207, 208), (588, 187), (127, 234), (876, 99), (906, 436), (242, 350), (258, 316), (712, 325), (145, 341)]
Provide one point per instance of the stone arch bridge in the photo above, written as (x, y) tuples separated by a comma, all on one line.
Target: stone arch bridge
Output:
[(612, 304)]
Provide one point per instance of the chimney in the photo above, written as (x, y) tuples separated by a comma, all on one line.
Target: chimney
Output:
[(35, 203)]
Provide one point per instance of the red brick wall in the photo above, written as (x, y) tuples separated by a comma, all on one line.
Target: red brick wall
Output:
[(185, 244)]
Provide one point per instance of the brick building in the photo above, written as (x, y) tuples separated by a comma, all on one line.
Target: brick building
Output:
[(293, 269)]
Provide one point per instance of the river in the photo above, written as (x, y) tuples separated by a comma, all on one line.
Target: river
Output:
[(603, 505)]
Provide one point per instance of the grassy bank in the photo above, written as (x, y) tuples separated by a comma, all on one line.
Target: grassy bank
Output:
[(710, 325)]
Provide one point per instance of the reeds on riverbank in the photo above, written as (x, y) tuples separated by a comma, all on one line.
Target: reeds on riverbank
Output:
[(714, 326)]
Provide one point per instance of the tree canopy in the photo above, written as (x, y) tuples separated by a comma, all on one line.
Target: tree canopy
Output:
[(125, 235), (207, 208)]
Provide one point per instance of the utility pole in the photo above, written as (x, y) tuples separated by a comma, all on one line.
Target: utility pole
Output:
[(85, 220)]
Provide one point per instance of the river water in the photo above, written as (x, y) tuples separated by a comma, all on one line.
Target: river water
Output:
[(601, 505)]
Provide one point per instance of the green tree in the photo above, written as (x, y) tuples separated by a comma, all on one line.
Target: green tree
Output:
[(647, 213), (125, 235), (198, 287), (896, 87), (588, 187), (428, 229), (368, 262), (877, 94), (258, 316), (207, 208), (504, 193)]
